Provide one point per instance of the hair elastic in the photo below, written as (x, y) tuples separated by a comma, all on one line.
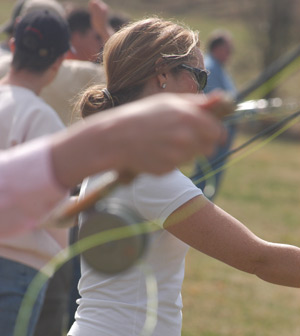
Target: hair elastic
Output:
[(108, 96)]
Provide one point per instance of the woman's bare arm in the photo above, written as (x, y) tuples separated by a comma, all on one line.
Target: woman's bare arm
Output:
[(204, 226)]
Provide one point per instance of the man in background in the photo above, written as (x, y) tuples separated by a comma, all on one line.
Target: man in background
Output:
[(219, 52), (79, 70)]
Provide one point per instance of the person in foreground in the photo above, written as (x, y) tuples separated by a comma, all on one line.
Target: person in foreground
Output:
[(142, 59), (56, 163)]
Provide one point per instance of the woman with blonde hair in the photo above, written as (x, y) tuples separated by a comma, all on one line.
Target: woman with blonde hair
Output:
[(144, 58)]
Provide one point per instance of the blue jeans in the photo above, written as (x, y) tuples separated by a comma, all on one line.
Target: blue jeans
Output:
[(14, 281)]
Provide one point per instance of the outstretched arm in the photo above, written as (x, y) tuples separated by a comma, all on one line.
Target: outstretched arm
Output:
[(209, 229)]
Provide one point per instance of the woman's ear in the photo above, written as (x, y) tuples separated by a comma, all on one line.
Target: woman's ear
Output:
[(162, 80), (161, 73)]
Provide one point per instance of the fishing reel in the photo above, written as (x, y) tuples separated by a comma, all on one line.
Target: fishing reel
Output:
[(120, 228)]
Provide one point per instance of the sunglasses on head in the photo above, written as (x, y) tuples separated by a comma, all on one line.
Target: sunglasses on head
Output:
[(200, 75)]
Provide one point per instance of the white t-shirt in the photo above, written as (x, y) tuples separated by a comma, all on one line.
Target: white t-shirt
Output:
[(72, 78), (116, 305), (23, 117)]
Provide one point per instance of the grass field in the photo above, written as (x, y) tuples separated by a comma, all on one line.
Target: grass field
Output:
[(263, 191)]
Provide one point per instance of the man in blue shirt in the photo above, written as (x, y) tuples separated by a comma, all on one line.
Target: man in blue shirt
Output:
[(220, 48)]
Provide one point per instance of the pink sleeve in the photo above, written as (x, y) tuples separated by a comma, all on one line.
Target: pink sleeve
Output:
[(28, 189)]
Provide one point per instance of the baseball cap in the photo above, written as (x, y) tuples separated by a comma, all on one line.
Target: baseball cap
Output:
[(42, 34), (50, 5)]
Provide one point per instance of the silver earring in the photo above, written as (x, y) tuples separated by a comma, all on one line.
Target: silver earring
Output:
[(164, 85)]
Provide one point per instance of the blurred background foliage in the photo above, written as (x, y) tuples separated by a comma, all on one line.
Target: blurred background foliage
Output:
[(263, 30)]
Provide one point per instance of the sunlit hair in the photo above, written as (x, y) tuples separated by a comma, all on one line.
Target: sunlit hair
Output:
[(134, 54)]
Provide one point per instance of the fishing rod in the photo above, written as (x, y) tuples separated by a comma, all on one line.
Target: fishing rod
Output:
[(112, 182), (260, 87), (224, 110), (271, 76), (261, 109), (267, 131), (117, 216)]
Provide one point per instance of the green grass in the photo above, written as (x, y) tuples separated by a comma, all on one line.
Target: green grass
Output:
[(263, 191)]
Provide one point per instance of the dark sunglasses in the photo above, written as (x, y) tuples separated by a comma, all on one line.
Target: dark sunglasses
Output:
[(200, 75)]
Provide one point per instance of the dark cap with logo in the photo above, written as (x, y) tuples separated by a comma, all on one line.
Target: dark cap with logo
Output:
[(42, 34)]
